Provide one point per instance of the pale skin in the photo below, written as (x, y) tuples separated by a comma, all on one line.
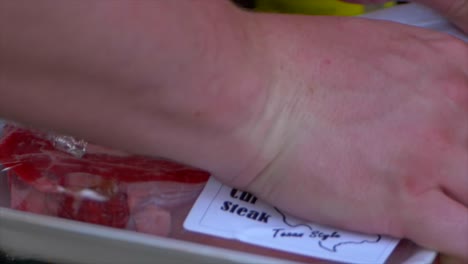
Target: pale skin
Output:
[(344, 121)]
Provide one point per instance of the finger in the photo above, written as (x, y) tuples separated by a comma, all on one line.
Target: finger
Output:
[(455, 10), (439, 223), (454, 183)]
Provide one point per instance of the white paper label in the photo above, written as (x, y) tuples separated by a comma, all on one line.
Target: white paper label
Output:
[(229, 213)]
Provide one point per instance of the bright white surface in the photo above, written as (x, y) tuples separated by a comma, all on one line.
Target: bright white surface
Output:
[(417, 15)]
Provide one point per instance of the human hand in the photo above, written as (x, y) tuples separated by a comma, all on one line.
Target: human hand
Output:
[(366, 131), (455, 10), (357, 124)]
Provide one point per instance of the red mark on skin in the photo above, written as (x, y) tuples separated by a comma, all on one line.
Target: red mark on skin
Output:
[(326, 62), (419, 180), (412, 185)]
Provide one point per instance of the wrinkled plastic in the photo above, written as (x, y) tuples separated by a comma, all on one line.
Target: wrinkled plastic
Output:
[(61, 176)]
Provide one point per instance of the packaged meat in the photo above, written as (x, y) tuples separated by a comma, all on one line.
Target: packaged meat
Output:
[(84, 196), (92, 184), (60, 176)]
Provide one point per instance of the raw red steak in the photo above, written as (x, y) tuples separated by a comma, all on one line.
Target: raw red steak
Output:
[(102, 187)]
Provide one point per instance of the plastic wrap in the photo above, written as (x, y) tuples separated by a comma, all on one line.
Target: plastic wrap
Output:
[(64, 177), (61, 176)]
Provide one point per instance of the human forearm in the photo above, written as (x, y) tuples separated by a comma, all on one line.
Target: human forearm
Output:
[(148, 76)]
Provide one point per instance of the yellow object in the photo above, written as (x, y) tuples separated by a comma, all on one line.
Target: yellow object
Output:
[(311, 7)]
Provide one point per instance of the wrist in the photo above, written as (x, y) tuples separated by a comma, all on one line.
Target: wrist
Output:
[(215, 109), (284, 94)]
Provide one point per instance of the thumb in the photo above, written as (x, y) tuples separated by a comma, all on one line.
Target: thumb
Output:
[(455, 10)]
